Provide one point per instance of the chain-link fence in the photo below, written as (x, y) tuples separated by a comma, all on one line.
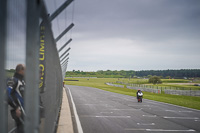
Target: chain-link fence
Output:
[(26, 37)]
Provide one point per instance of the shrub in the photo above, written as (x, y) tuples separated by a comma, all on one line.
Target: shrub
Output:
[(155, 80)]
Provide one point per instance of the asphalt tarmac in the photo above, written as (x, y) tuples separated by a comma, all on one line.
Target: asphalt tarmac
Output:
[(99, 111)]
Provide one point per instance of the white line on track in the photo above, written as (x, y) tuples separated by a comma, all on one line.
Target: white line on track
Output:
[(188, 118), (158, 130), (93, 104), (139, 105), (182, 111), (106, 112), (163, 130), (113, 116), (123, 109), (134, 129), (149, 115), (146, 124), (79, 127), (101, 116), (185, 111), (170, 110)]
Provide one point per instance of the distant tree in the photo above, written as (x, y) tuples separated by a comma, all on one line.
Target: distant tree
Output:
[(155, 80), (149, 76), (189, 73)]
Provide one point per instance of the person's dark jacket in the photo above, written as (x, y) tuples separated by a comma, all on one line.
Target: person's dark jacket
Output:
[(18, 86)]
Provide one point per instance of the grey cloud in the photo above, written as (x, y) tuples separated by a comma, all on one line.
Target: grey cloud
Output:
[(138, 19), (168, 31)]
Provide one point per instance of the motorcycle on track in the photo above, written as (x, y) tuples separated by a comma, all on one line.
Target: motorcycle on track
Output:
[(139, 95)]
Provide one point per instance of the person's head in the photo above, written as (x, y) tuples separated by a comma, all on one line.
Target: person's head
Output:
[(20, 69)]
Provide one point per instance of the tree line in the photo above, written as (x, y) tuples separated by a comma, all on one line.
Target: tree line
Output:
[(188, 73)]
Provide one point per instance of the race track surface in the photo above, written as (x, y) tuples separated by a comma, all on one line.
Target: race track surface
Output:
[(100, 111)]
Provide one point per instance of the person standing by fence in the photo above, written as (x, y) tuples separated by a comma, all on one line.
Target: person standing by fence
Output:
[(17, 97)]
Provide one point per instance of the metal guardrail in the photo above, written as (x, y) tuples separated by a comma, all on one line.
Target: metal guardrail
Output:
[(183, 92), (163, 90), (136, 88), (121, 86), (158, 91)]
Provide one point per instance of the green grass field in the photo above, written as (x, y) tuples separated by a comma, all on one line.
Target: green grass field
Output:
[(186, 101)]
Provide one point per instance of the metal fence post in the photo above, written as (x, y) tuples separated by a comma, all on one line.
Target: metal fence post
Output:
[(65, 44), (64, 59), (32, 68), (3, 112), (65, 53), (60, 9), (64, 32)]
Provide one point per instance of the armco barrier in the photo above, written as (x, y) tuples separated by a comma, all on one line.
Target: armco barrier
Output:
[(183, 92), (166, 91), (136, 88), (141, 88), (145, 89), (121, 86)]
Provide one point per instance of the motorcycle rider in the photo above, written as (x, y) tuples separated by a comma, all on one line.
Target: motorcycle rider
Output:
[(139, 95), (139, 91), (18, 85)]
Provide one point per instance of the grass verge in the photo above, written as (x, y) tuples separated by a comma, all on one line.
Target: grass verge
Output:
[(186, 101)]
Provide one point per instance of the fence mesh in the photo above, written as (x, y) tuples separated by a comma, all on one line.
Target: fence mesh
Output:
[(16, 53)]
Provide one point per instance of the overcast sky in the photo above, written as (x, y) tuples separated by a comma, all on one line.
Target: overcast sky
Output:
[(135, 35), (130, 34)]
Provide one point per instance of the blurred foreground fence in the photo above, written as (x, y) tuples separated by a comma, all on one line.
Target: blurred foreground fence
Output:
[(40, 54)]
